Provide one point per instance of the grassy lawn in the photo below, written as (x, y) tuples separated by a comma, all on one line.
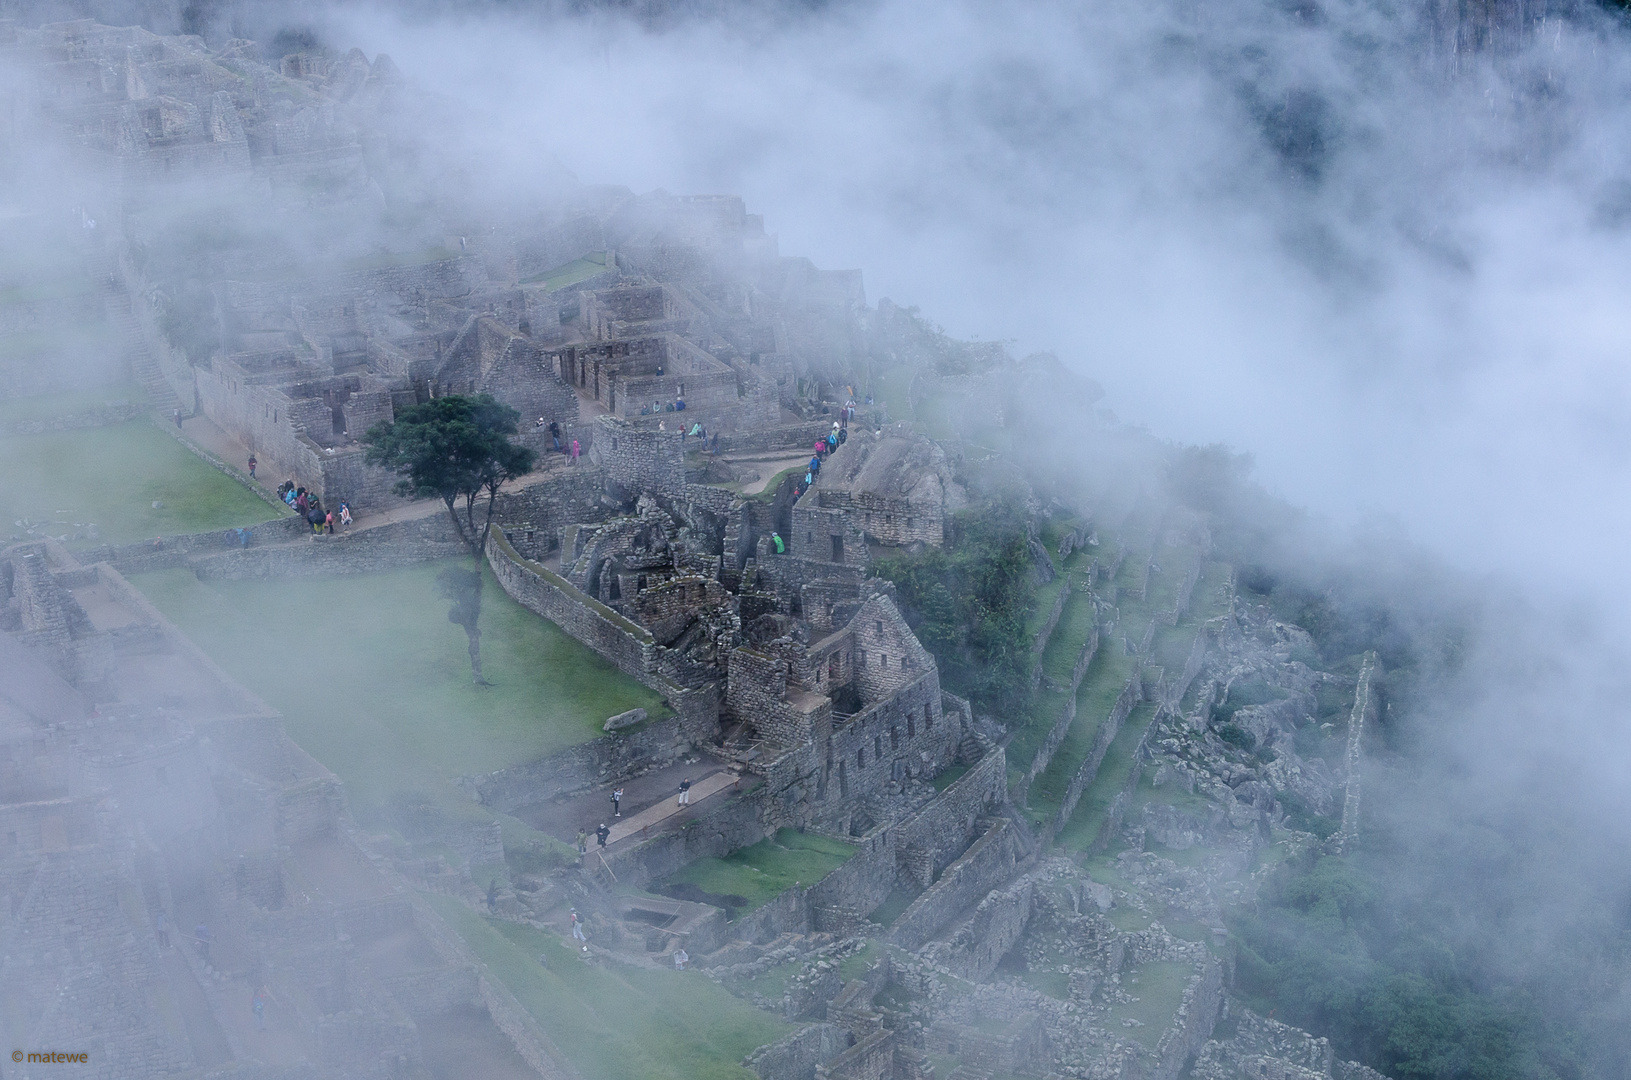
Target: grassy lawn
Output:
[(617, 1022), (765, 870), (573, 272), (110, 477), (68, 402), (1159, 988), (374, 681)]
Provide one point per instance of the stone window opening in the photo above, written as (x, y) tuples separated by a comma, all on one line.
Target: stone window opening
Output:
[(860, 757), (894, 739), (880, 627), (928, 719), (843, 784), (911, 726), (877, 746), (897, 769)]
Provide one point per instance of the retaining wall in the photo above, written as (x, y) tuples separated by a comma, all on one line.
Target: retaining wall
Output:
[(990, 860)]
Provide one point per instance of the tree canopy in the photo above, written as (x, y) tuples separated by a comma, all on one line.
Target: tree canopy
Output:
[(453, 448)]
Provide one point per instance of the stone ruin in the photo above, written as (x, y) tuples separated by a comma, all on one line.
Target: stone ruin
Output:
[(145, 795)]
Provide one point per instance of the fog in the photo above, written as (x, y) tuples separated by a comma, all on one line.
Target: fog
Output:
[(1388, 275), (1391, 271)]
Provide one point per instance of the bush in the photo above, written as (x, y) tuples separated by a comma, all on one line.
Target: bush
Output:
[(1235, 735), (968, 602)]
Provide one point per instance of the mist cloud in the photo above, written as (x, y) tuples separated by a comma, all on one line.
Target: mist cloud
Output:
[(1292, 229)]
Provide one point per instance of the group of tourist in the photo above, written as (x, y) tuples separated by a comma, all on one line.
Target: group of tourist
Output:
[(309, 506), (677, 405), (834, 439), (554, 429)]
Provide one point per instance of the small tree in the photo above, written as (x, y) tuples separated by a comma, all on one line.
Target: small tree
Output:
[(455, 448)]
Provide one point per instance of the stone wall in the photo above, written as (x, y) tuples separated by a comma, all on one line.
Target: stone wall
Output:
[(384, 547), (987, 863), (872, 1058), (1192, 1023), (977, 946), (800, 437), (942, 828), (1067, 716), (907, 734), (638, 459), (734, 825), (1131, 695), (597, 761), (544, 592), (796, 1056)]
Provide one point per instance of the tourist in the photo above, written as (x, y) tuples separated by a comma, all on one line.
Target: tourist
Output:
[(679, 406), (681, 958), (583, 842), (776, 538), (843, 436), (252, 464), (577, 923), (345, 514), (328, 522), (300, 501), (601, 834), (685, 793), (555, 434), (574, 451), (617, 803), (178, 419)]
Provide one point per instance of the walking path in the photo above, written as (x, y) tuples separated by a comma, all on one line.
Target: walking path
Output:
[(203, 431), (669, 806)]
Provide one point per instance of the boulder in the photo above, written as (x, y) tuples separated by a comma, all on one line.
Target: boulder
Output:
[(624, 720)]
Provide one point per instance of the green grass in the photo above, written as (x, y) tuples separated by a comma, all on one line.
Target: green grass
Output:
[(765, 870), (1075, 627), (1106, 676), (1213, 595), (69, 402), (110, 477), (374, 681), (573, 272), (1175, 564), (949, 776), (613, 1021), (1088, 818), (1159, 988)]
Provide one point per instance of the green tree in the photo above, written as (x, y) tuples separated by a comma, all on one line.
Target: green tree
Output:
[(455, 448), (967, 602)]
